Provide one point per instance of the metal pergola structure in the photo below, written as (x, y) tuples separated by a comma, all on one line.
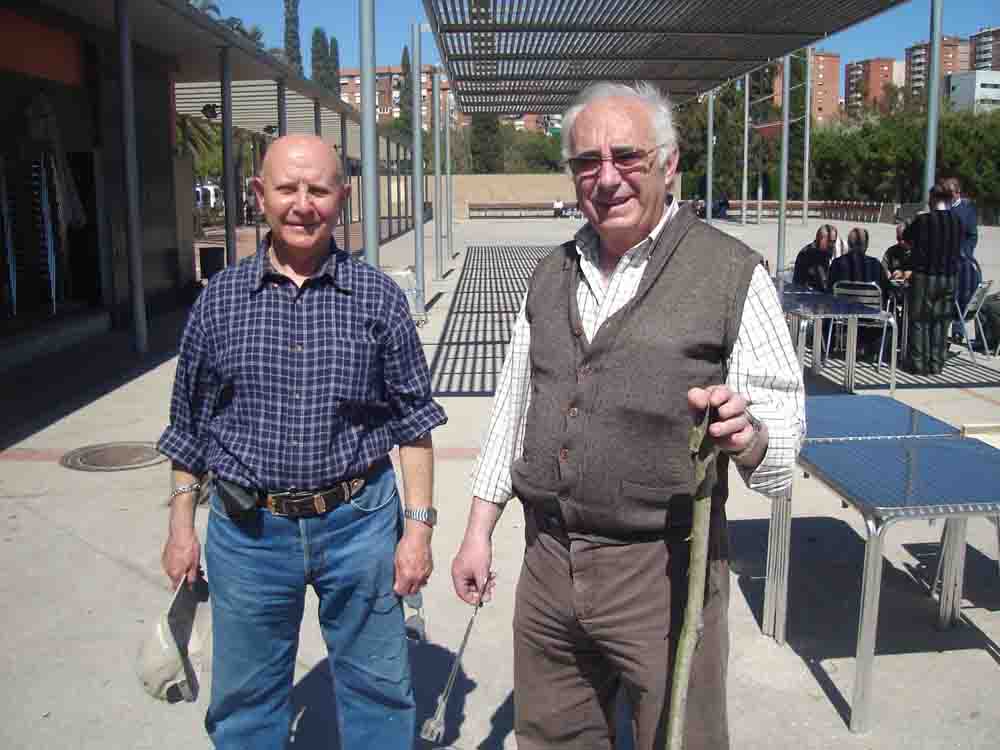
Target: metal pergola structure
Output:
[(505, 57)]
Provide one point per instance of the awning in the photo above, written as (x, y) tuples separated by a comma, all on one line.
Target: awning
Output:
[(534, 55)]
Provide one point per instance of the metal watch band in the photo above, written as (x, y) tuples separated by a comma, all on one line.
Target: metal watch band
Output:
[(424, 515), (184, 489)]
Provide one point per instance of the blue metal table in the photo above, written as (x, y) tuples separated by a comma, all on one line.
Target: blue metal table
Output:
[(812, 307), (891, 462)]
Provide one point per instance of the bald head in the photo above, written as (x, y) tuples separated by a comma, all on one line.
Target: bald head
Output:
[(300, 190), (301, 149)]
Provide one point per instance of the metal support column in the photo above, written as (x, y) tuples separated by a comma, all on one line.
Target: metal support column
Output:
[(710, 154), (282, 108), (388, 188), (369, 134), (317, 117), (228, 162), (450, 184), (435, 107), (808, 123), (133, 225), (786, 94), (933, 98), (345, 174), (417, 168), (400, 205), (746, 146)]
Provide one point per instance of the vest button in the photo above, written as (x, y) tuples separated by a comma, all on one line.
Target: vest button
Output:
[(577, 331), (574, 412), (583, 371), (564, 454)]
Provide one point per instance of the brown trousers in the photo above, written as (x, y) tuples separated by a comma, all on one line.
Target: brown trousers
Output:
[(590, 619)]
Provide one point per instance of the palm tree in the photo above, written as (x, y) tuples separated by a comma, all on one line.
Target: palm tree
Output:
[(206, 6), (195, 136)]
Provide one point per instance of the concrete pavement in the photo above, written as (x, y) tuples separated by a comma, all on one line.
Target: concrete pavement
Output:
[(83, 583)]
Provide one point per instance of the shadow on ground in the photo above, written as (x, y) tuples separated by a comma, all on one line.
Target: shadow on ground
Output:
[(824, 595), (315, 724)]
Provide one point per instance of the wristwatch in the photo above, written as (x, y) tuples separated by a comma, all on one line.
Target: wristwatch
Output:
[(424, 515)]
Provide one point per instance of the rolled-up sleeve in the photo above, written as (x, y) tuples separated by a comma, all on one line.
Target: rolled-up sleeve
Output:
[(407, 379), (764, 369), (183, 441)]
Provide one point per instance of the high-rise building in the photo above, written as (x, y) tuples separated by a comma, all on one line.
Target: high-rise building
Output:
[(954, 59), (824, 106), (984, 49), (388, 90), (865, 81)]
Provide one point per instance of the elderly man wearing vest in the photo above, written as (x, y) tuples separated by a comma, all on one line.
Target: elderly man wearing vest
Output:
[(628, 332)]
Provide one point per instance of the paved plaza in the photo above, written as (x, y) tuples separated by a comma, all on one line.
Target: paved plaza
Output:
[(84, 586)]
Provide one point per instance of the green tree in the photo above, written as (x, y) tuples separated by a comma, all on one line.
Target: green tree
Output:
[(293, 48), (405, 91), (486, 144), (320, 56), (256, 35), (333, 67), (206, 6), (195, 136)]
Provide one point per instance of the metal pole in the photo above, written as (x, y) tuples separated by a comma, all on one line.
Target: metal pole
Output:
[(436, 109), (746, 146), (388, 187), (808, 121), (228, 163), (417, 169), (133, 225), (369, 134), (400, 205), (317, 118), (933, 97), (407, 188), (450, 185), (345, 173), (760, 197), (710, 156), (783, 184), (282, 109)]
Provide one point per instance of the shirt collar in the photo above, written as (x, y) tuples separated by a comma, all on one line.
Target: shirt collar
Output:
[(263, 270), (588, 241)]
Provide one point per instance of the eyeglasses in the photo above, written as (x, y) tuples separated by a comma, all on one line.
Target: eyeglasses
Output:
[(625, 161)]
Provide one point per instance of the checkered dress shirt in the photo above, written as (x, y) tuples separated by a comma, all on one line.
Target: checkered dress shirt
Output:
[(281, 387), (762, 367)]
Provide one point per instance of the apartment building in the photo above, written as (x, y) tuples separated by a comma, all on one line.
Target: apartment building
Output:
[(954, 59), (865, 81), (825, 104), (388, 92), (978, 90), (984, 49)]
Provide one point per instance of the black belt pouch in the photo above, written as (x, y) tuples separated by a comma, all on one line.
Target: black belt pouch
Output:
[(237, 499)]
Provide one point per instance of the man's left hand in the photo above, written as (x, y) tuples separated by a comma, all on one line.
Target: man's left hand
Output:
[(732, 430), (414, 562)]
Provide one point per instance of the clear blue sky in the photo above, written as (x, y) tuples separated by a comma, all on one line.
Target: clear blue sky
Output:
[(886, 35)]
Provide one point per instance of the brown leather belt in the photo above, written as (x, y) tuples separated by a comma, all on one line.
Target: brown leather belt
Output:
[(307, 503)]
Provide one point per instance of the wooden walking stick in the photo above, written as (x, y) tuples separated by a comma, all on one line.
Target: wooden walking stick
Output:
[(703, 452)]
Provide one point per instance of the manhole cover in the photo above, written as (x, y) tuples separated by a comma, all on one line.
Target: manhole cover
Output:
[(113, 457)]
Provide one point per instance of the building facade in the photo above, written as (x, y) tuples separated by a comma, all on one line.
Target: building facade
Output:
[(389, 90), (865, 82), (954, 59), (984, 49), (976, 90), (825, 104)]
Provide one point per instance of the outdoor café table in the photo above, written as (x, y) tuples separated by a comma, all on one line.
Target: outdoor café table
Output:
[(891, 463), (836, 419), (809, 306)]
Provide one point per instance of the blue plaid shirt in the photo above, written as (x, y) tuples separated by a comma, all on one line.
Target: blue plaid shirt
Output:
[(281, 387)]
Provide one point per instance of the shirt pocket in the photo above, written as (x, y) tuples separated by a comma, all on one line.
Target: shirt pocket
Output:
[(350, 370)]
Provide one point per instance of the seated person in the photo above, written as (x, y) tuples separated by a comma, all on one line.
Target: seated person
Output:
[(857, 266), (897, 258), (812, 264)]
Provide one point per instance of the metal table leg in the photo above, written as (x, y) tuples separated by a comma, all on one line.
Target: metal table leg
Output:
[(801, 337), (817, 350), (851, 354), (892, 358), (952, 571), (779, 536), (871, 588)]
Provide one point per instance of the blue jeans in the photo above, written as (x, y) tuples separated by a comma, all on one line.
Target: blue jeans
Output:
[(258, 566)]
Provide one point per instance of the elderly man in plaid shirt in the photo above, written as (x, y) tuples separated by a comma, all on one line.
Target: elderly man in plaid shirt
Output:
[(642, 321), (298, 372)]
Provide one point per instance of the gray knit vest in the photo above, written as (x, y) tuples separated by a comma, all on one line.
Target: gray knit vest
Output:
[(606, 439)]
